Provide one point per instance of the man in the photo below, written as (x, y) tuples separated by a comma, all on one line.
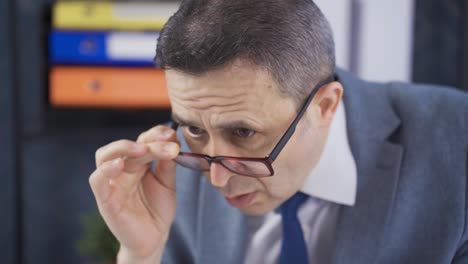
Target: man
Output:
[(285, 160)]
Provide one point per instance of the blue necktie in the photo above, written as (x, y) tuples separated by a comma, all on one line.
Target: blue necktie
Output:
[(293, 247)]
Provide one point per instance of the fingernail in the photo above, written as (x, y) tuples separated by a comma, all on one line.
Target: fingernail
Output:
[(170, 148)]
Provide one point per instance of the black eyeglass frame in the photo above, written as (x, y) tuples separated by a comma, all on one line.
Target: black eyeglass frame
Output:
[(269, 159)]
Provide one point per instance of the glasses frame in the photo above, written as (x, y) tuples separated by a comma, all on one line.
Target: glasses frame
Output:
[(269, 159)]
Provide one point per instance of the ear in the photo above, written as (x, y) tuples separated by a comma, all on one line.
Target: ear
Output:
[(326, 101)]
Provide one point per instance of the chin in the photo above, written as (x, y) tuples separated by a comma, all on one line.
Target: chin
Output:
[(258, 209)]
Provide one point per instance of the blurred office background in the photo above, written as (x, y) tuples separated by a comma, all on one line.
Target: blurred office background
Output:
[(47, 148)]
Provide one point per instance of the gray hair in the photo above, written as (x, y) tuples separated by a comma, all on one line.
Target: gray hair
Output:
[(291, 39)]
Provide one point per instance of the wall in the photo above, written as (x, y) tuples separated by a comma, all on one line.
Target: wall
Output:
[(438, 42), (373, 37), (7, 139)]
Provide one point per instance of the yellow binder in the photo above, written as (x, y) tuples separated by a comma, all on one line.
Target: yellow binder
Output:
[(103, 15)]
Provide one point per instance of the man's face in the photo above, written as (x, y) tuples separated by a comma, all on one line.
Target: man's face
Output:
[(239, 111)]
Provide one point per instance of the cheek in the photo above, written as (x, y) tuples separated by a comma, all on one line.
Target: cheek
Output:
[(305, 148), (293, 164), (293, 157), (278, 186)]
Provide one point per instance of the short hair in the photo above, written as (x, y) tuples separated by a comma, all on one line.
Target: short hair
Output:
[(290, 39)]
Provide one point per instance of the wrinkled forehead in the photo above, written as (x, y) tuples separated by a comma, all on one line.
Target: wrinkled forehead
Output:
[(234, 79), (233, 93)]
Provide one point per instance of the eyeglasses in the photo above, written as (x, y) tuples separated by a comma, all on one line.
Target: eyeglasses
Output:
[(252, 167)]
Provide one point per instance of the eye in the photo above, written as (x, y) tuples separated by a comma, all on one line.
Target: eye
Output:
[(243, 132), (194, 132)]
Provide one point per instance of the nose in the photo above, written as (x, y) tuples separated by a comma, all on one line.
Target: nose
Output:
[(219, 176)]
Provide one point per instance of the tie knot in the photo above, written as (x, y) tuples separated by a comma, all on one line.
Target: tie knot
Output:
[(289, 207)]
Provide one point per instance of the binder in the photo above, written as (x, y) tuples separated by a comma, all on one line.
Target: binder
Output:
[(106, 15), (102, 48), (107, 87)]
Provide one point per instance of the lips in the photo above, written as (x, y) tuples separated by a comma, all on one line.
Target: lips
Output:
[(241, 201)]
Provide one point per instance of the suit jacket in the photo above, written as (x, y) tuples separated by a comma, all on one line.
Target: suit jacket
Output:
[(410, 143)]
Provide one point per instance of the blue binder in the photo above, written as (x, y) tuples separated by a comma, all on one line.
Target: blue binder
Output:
[(102, 48)]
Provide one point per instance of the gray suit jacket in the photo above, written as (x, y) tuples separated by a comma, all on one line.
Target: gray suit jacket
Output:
[(410, 143)]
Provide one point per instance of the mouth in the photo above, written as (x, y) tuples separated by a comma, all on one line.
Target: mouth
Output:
[(241, 201)]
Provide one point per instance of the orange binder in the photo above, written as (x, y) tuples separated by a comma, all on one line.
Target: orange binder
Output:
[(108, 87)]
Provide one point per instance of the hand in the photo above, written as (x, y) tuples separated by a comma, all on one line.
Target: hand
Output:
[(138, 205)]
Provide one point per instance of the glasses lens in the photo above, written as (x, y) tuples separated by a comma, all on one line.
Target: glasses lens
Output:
[(247, 167), (193, 162)]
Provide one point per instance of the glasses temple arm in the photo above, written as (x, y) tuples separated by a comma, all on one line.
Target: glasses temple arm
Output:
[(290, 131)]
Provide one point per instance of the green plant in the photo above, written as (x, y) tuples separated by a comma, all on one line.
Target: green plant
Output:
[(97, 241)]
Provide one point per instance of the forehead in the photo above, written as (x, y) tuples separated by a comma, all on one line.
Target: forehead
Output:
[(235, 92), (235, 79)]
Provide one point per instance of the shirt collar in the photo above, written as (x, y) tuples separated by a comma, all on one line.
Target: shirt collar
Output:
[(334, 178)]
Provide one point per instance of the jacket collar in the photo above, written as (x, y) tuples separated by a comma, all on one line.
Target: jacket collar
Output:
[(371, 122)]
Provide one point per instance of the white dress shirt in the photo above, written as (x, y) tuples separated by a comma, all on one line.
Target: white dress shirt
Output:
[(331, 183)]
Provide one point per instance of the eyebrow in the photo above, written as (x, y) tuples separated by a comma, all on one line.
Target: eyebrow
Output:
[(224, 125), (183, 122)]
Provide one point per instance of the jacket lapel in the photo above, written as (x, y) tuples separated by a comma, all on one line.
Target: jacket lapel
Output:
[(221, 229), (371, 121)]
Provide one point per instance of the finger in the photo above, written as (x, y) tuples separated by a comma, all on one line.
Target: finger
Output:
[(160, 189), (157, 133), (165, 174), (99, 179), (136, 164), (135, 168), (120, 148), (161, 150)]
